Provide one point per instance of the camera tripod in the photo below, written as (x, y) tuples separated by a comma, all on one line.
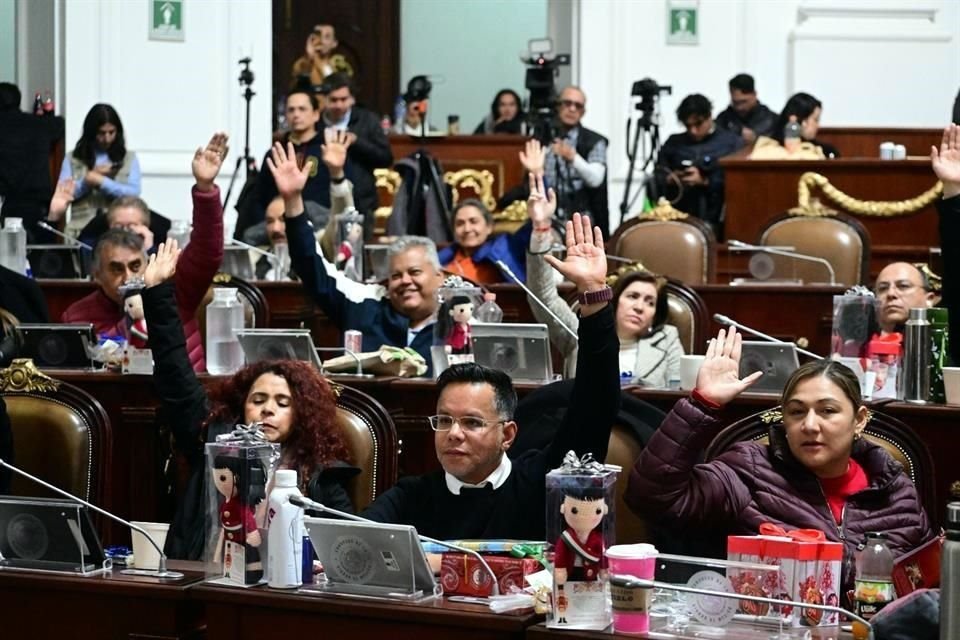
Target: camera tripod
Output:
[(246, 80)]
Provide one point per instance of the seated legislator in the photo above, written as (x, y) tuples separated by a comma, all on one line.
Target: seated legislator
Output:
[(818, 472), (946, 165), (475, 251), (807, 111), (119, 256), (481, 492), (692, 160), (650, 349), (401, 314), (291, 399)]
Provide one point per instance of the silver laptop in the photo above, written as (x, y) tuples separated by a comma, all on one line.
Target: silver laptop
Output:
[(520, 350), (777, 361), (278, 344), (370, 559)]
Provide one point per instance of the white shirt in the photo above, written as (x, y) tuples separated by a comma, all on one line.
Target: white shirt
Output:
[(497, 478), (340, 126)]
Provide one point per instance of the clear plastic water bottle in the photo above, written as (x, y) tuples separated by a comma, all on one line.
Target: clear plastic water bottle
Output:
[(489, 311), (224, 318), (399, 110), (13, 245), (284, 533), (873, 588), (179, 231), (791, 135)]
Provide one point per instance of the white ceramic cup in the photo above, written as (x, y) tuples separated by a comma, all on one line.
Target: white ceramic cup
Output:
[(951, 384), (689, 368), (886, 150), (145, 556)]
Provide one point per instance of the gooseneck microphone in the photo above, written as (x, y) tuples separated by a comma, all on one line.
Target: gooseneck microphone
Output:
[(787, 252), (249, 247), (722, 319), (307, 503), (533, 296), (161, 571), (73, 241)]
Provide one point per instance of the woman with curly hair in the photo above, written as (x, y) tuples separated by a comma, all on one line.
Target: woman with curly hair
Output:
[(291, 399), (101, 167)]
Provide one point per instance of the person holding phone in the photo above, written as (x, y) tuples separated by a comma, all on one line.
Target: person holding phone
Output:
[(100, 168)]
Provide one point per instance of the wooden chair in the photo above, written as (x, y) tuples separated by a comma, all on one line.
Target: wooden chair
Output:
[(511, 218), (256, 312), (8, 321), (471, 183), (387, 183), (839, 239), (897, 438), (623, 450), (371, 439), (669, 242), (60, 434)]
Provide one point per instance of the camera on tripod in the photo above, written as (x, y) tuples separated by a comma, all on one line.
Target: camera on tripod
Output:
[(246, 75), (648, 92), (542, 69)]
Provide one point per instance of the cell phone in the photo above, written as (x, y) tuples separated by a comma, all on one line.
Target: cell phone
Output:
[(685, 164)]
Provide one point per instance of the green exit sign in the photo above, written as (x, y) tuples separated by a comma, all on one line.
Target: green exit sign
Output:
[(683, 22), (166, 20)]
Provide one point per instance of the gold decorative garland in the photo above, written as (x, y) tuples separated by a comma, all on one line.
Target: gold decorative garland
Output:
[(23, 376), (871, 208)]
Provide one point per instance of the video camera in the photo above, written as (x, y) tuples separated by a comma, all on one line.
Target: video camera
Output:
[(648, 92), (542, 69)]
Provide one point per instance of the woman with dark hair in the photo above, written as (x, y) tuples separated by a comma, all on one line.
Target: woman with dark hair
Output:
[(650, 348), (292, 401), (101, 167), (506, 115), (807, 111), (818, 472)]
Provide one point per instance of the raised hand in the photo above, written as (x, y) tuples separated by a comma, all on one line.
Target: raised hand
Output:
[(540, 206), (586, 262), (163, 264), (207, 161), (946, 161), (289, 177), (144, 232), (719, 376), (533, 156), (335, 145), (62, 197)]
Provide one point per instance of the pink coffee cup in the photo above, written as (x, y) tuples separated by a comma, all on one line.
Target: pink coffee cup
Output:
[(631, 606)]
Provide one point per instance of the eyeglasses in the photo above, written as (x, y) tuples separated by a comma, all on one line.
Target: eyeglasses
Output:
[(572, 104), (902, 286), (441, 422)]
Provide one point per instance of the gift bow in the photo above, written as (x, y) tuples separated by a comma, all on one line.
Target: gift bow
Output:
[(584, 466), (244, 433), (799, 535)]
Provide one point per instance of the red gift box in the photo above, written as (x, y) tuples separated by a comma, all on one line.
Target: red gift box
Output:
[(461, 574)]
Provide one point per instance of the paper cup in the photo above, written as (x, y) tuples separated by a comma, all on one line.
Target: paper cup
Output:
[(144, 555), (631, 606), (951, 384), (689, 368)]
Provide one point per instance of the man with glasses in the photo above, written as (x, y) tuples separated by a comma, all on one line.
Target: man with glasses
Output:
[(689, 172), (481, 492), (900, 287), (746, 116), (575, 163)]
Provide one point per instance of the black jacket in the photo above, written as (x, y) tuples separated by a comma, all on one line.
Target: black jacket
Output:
[(370, 151), (184, 407), (25, 144), (761, 120), (22, 297), (949, 211)]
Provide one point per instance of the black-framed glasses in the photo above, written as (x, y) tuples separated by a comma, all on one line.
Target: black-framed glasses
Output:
[(443, 422)]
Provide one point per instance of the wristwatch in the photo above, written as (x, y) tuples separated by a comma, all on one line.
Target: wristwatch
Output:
[(596, 297)]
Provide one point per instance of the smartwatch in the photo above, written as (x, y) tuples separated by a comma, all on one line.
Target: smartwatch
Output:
[(596, 297)]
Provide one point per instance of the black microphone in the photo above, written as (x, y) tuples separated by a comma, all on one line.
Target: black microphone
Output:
[(722, 319), (161, 571), (543, 305), (307, 503)]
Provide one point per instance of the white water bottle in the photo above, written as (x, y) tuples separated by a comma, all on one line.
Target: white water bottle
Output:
[(284, 533), (224, 318), (13, 245)]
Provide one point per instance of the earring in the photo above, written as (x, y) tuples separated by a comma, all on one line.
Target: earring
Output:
[(857, 435)]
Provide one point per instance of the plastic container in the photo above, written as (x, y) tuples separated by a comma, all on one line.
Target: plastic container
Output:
[(873, 588), (13, 245), (791, 135), (179, 231), (489, 311), (284, 533), (224, 318), (950, 576)]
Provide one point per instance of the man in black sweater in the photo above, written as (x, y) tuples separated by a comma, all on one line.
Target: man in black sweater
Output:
[(369, 148), (481, 492)]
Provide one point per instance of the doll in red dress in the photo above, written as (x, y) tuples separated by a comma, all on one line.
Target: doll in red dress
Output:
[(241, 483)]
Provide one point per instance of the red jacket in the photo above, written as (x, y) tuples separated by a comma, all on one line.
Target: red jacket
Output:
[(198, 264), (752, 483)]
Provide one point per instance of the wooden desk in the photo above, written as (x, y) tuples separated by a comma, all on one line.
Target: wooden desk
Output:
[(253, 614), (734, 631), (864, 142), (495, 153), (758, 190), (38, 605)]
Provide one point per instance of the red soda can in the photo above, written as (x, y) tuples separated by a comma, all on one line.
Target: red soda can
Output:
[(352, 340)]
